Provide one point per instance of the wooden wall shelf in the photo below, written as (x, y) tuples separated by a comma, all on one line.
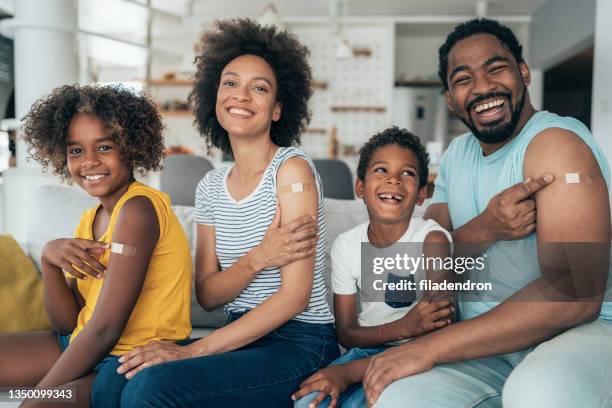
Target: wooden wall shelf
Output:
[(171, 82), (343, 109), (176, 113)]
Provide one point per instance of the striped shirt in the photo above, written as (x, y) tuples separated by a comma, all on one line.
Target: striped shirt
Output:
[(240, 226)]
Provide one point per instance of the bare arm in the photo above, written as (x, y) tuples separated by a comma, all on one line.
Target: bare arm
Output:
[(61, 305), (294, 294), (583, 220), (425, 316), (61, 298), (138, 227), (564, 215), (213, 286), (511, 214), (280, 246)]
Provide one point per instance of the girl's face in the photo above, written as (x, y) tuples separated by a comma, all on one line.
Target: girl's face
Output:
[(246, 99), (94, 161)]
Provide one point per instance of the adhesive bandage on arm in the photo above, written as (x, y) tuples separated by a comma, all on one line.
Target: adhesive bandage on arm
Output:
[(297, 187), (579, 178), (122, 249), (572, 178)]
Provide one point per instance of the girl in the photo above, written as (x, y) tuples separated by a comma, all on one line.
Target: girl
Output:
[(113, 297), (251, 100)]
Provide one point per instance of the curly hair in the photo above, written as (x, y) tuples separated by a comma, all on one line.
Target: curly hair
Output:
[(131, 119), (473, 27), (287, 57), (403, 139)]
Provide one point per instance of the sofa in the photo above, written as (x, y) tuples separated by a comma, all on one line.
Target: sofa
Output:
[(56, 210)]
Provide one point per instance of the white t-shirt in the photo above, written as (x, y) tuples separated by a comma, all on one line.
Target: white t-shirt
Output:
[(346, 268)]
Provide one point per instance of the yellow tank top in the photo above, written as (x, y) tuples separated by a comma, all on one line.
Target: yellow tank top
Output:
[(162, 311)]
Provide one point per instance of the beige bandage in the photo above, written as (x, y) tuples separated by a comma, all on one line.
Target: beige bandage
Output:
[(579, 178), (297, 187), (572, 178), (122, 249)]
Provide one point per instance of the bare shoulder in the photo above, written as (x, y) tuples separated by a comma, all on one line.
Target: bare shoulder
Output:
[(139, 208), (559, 151), (295, 168)]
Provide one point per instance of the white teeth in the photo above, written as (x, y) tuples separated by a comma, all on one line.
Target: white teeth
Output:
[(239, 111), (390, 196), (95, 177), (489, 105)]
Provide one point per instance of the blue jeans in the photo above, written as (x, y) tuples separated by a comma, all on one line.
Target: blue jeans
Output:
[(263, 373), (569, 370), (354, 396)]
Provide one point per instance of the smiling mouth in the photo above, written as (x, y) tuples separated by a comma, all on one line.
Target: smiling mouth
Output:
[(489, 107), (240, 112), (391, 198), (95, 178)]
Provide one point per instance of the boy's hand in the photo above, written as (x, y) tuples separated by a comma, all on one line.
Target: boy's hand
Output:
[(66, 253), (426, 316), (332, 381)]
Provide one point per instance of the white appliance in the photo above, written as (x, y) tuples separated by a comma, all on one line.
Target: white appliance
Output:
[(422, 110)]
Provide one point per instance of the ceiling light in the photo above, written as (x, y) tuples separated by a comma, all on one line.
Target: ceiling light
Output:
[(270, 17)]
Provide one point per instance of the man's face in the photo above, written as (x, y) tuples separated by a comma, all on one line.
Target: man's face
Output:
[(486, 87)]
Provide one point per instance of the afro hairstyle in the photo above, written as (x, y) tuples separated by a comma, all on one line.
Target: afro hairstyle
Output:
[(287, 57)]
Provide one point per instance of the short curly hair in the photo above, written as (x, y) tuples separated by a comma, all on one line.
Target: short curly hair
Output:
[(131, 119), (472, 27), (403, 139), (287, 57)]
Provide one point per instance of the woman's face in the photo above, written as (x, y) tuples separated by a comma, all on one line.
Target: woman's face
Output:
[(246, 99)]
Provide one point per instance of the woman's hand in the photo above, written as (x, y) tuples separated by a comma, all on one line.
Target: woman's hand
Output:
[(332, 381), (152, 354), (66, 253), (282, 245)]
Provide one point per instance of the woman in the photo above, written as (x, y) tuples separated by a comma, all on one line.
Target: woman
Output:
[(251, 100)]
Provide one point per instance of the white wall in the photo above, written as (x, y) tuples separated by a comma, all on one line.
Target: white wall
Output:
[(45, 54), (601, 116), (560, 29), (417, 57)]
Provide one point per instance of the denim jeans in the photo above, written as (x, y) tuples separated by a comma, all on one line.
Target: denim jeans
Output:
[(569, 370), (354, 396), (263, 373)]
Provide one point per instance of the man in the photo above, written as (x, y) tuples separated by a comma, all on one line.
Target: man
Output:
[(522, 353)]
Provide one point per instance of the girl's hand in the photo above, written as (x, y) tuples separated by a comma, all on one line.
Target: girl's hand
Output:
[(332, 381), (283, 245), (152, 354), (66, 253)]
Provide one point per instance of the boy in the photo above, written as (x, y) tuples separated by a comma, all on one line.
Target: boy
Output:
[(391, 179)]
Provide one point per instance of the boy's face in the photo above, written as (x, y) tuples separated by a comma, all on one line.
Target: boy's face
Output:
[(391, 186), (94, 160)]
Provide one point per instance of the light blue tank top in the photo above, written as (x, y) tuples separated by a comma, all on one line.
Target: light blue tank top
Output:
[(467, 180)]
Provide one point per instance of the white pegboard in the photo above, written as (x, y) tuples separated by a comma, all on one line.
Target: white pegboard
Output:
[(357, 82)]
